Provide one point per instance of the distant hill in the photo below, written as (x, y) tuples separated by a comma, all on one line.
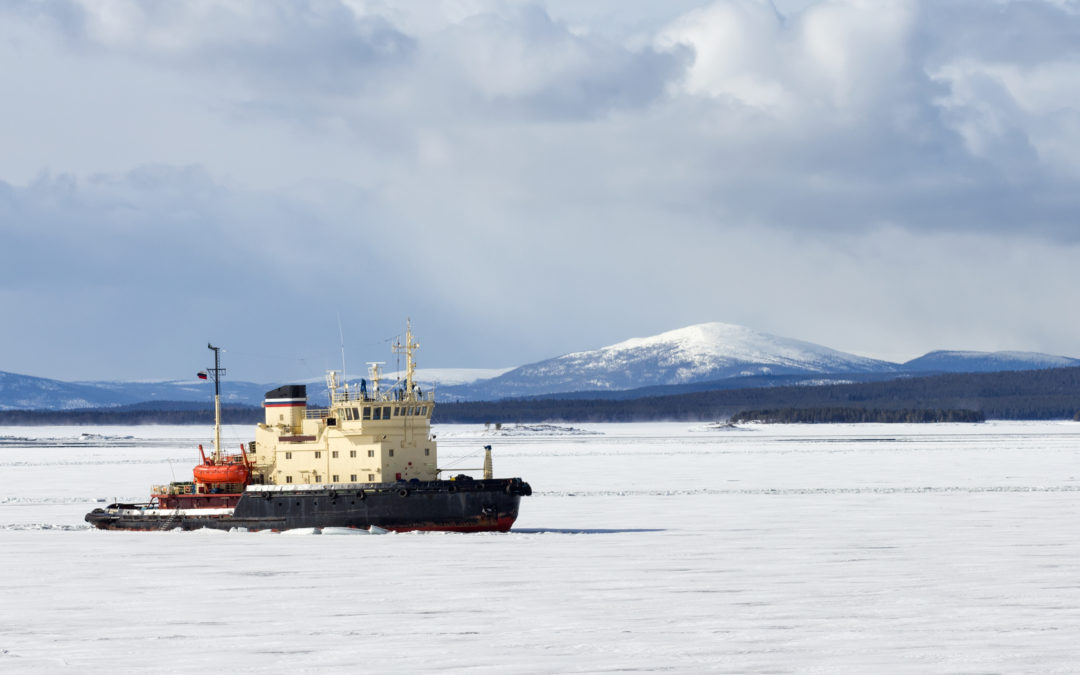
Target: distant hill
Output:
[(709, 351), (700, 358), (24, 392), (985, 362)]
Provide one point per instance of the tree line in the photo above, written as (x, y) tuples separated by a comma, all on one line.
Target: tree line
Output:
[(1029, 395), (826, 415), (99, 416)]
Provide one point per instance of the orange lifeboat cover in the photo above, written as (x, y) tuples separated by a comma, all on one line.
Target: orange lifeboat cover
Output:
[(221, 473)]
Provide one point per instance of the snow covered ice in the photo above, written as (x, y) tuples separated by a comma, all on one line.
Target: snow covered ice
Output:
[(826, 548)]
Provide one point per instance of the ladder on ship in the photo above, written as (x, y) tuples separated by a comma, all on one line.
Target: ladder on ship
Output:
[(169, 522)]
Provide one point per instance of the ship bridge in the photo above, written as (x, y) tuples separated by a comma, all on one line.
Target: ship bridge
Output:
[(364, 435)]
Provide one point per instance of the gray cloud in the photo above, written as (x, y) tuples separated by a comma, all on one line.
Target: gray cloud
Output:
[(886, 178), (518, 60), (310, 44), (1020, 32)]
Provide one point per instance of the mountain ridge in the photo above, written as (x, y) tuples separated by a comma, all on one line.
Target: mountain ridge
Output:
[(699, 352), (700, 357)]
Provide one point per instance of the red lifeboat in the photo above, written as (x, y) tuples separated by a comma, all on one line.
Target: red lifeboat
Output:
[(222, 473), (232, 469)]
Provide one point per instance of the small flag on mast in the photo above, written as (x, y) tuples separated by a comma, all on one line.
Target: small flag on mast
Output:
[(202, 374)]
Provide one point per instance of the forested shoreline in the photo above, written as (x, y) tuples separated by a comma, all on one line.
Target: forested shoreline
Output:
[(847, 415), (1016, 395)]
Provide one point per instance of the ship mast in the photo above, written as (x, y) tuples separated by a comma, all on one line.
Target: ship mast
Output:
[(216, 372), (407, 349)]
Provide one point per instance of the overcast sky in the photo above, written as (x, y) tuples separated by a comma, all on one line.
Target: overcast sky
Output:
[(528, 179)]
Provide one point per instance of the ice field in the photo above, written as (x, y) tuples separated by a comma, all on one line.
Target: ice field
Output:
[(645, 547)]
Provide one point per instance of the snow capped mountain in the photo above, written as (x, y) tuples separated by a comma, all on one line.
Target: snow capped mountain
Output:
[(708, 351), (688, 356), (986, 362)]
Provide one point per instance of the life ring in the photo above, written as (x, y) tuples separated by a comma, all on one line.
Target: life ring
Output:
[(403, 492), (361, 495), (332, 494)]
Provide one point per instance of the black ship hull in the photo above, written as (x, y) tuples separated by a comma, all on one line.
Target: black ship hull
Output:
[(456, 506)]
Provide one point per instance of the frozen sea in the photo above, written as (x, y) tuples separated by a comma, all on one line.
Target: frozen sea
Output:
[(645, 547)]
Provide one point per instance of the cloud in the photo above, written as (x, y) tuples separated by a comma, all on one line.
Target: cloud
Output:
[(865, 115), (518, 59), (508, 59), (831, 58), (542, 176), (311, 44)]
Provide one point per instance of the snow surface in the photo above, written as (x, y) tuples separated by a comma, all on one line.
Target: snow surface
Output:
[(647, 547)]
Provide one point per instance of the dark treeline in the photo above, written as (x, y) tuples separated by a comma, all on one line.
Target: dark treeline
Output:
[(825, 415), (92, 416), (1033, 395)]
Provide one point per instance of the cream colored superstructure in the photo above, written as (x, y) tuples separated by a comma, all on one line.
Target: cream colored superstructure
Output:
[(363, 437)]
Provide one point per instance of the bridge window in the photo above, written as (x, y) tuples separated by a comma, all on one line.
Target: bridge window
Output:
[(427, 452), (352, 478), (288, 479), (335, 478), (318, 454), (391, 452), (371, 478), (288, 455), (352, 453), (370, 453), (378, 413), (348, 413), (367, 412), (318, 479), (356, 413), (334, 454), (386, 412)]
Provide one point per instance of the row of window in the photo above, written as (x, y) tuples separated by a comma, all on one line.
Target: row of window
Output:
[(352, 453), (385, 412), (352, 478)]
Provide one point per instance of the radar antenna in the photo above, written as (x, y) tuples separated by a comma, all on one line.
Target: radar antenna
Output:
[(408, 348)]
